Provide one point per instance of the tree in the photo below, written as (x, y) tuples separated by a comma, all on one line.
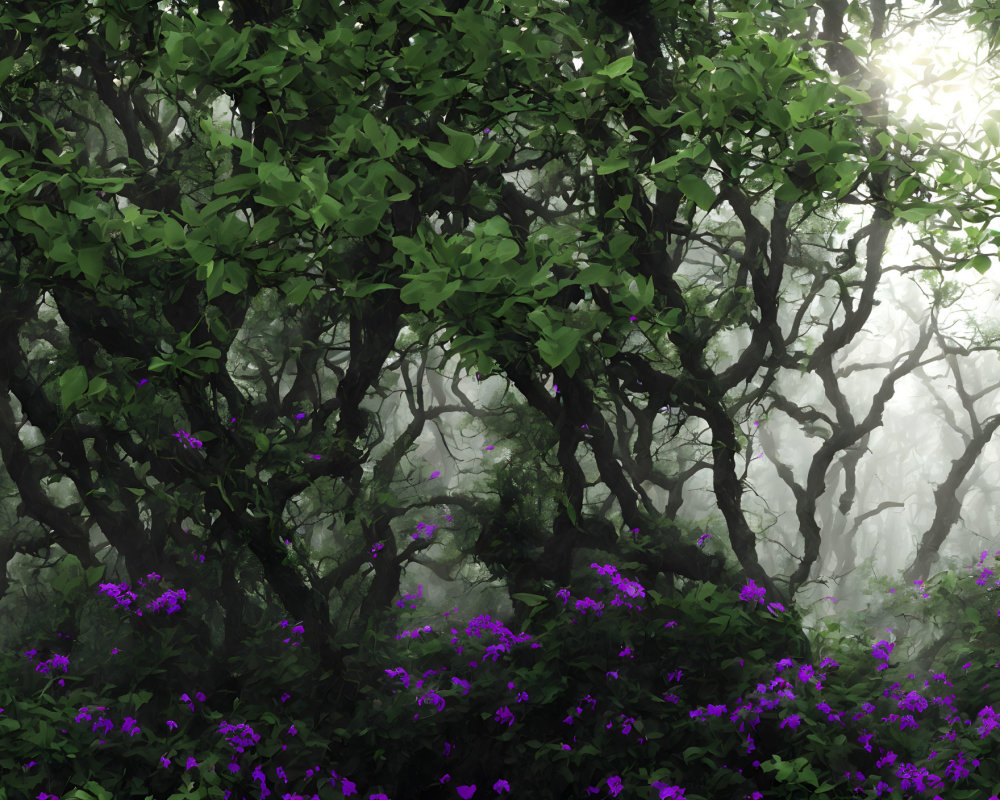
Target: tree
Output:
[(164, 250)]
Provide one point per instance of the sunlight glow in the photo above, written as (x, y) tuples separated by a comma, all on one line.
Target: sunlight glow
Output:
[(934, 74), (938, 76)]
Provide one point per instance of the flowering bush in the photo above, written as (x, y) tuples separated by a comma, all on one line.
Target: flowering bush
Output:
[(616, 696)]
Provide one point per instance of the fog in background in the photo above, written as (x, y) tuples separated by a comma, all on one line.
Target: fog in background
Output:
[(924, 427)]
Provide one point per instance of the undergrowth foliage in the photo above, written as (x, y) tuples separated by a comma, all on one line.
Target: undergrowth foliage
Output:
[(624, 694)]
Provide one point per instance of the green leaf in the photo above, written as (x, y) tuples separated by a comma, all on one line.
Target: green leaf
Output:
[(173, 234), (916, 214), (530, 600), (981, 263), (6, 67), (278, 185), (696, 190), (494, 226), (222, 493), (91, 262), (816, 139), (351, 290), (619, 243), (854, 95), (72, 385), (612, 165), (440, 154), (62, 251), (558, 343), (461, 144), (264, 229), (428, 290), (644, 291), (363, 224), (992, 131), (616, 68), (597, 273), (371, 129), (204, 351), (97, 386), (858, 48), (94, 574), (236, 184), (236, 278), (297, 289), (704, 62), (506, 250), (460, 147), (216, 274), (327, 212), (798, 111), (788, 192)]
